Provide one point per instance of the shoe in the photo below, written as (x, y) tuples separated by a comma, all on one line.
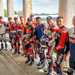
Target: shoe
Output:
[(27, 61), (30, 62), (40, 66), (53, 73), (41, 70), (19, 53), (70, 71)]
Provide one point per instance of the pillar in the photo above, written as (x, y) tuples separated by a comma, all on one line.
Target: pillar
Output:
[(70, 12), (10, 10), (62, 9), (27, 8), (67, 10), (1, 8)]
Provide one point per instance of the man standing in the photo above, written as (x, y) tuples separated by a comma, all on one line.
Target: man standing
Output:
[(39, 32), (39, 29), (28, 42), (51, 54), (62, 43), (2, 27), (72, 44), (2, 31), (18, 30)]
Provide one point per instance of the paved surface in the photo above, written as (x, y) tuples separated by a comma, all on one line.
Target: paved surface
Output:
[(14, 65)]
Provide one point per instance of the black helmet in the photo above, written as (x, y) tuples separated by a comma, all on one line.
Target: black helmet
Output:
[(29, 19), (49, 18), (59, 17), (0, 17)]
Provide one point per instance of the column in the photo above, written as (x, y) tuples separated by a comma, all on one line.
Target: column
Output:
[(62, 8), (27, 8), (70, 12), (67, 10), (10, 10), (1, 8)]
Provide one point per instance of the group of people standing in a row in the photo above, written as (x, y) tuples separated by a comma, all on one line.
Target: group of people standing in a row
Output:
[(51, 44)]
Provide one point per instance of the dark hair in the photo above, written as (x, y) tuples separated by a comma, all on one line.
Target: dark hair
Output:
[(29, 19), (59, 17), (9, 18), (0, 17), (49, 18), (15, 18), (38, 18)]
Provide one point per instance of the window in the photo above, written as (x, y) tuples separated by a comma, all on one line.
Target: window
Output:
[(45, 6)]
